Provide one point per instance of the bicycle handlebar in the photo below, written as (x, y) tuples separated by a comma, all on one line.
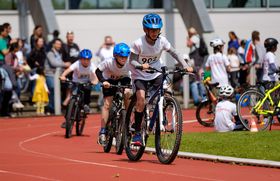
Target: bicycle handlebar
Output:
[(85, 84), (120, 86), (165, 70)]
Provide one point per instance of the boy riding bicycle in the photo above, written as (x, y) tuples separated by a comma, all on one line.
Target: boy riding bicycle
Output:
[(83, 72), (146, 52), (111, 72)]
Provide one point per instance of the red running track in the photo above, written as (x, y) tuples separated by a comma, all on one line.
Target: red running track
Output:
[(35, 149)]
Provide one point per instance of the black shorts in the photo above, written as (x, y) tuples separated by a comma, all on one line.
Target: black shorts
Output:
[(112, 91), (143, 84)]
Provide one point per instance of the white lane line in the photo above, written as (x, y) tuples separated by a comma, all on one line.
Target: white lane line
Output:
[(100, 164), (27, 175)]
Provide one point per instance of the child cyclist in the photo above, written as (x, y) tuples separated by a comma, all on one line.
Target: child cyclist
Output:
[(270, 66), (218, 63), (111, 72), (83, 72), (225, 112), (146, 52)]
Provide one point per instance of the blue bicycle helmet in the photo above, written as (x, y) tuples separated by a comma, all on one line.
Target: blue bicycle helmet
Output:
[(152, 21), (86, 53), (121, 49)]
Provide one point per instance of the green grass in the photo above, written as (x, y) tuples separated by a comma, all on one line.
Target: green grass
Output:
[(261, 145)]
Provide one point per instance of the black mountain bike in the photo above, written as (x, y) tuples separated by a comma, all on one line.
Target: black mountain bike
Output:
[(116, 120), (75, 112), (163, 111)]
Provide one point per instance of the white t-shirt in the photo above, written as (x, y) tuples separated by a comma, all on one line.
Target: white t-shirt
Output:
[(110, 70), (195, 40), (105, 53), (225, 110), (268, 74), (218, 63), (234, 62), (148, 54), (81, 73)]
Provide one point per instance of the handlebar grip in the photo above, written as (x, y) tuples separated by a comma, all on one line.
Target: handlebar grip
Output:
[(140, 67)]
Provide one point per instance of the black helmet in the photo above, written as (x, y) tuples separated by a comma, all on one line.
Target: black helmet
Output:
[(270, 43)]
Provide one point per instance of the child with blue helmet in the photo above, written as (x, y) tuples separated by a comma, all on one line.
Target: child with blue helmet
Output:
[(145, 52), (83, 72), (112, 72)]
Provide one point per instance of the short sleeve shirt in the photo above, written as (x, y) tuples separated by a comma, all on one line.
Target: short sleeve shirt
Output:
[(110, 70), (225, 110), (148, 54), (81, 73), (218, 63), (3, 46), (268, 61)]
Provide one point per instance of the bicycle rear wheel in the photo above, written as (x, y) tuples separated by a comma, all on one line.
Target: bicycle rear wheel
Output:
[(119, 132), (110, 130), (70, 118), (168, 142), (246, 112), (205, 113), (134, 153)]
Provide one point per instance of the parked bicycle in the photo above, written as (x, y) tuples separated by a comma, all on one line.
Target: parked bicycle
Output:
[(259, 105), (205, 111), (162, 116), (116, 120), (75, 112)]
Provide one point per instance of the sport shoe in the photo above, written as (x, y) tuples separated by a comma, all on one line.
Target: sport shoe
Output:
[(137, 140), (102, 139), (63, 125), (86, 109)]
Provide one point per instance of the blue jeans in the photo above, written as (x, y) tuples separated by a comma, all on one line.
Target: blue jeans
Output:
[(50, 84), (198, 92)]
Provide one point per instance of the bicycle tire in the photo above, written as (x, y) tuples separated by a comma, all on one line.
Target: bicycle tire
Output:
[(134, 153), (80, 125), (110, 130), (70, 118), (245, 111), (119, 132), (205, 113), (168, 142)]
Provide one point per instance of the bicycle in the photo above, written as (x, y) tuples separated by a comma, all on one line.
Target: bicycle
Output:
[(164, 110), (115, 124), (205, 111), (257, 104), (75, 112)]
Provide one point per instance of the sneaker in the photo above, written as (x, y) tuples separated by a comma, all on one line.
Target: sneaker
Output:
[(86, 109), (137, 140), (63, 125), (102, 139)]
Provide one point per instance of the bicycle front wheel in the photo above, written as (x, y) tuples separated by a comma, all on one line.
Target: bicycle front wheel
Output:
[(134, 153), (110, 130), (70, 118), (80, 125), (247, 113), (167, 140), (205, 113), (119, 132)]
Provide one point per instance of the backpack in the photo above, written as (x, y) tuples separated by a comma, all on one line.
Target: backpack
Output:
[(203, 50)]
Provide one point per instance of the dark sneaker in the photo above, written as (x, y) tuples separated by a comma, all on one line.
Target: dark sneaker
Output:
[(137, 140), (86, 109), (63, 125)]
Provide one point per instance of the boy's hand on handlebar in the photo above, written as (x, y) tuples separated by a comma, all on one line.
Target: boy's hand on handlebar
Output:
[(189, 69), (106, 84), (145, 66), (62, 78)]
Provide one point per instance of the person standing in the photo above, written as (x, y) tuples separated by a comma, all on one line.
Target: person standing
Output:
[(197, 88), (53, 61), (70, 53), (105, 52)]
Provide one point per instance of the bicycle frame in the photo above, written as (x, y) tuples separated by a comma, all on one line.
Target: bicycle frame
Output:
[(259, 104), (158, 111)]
